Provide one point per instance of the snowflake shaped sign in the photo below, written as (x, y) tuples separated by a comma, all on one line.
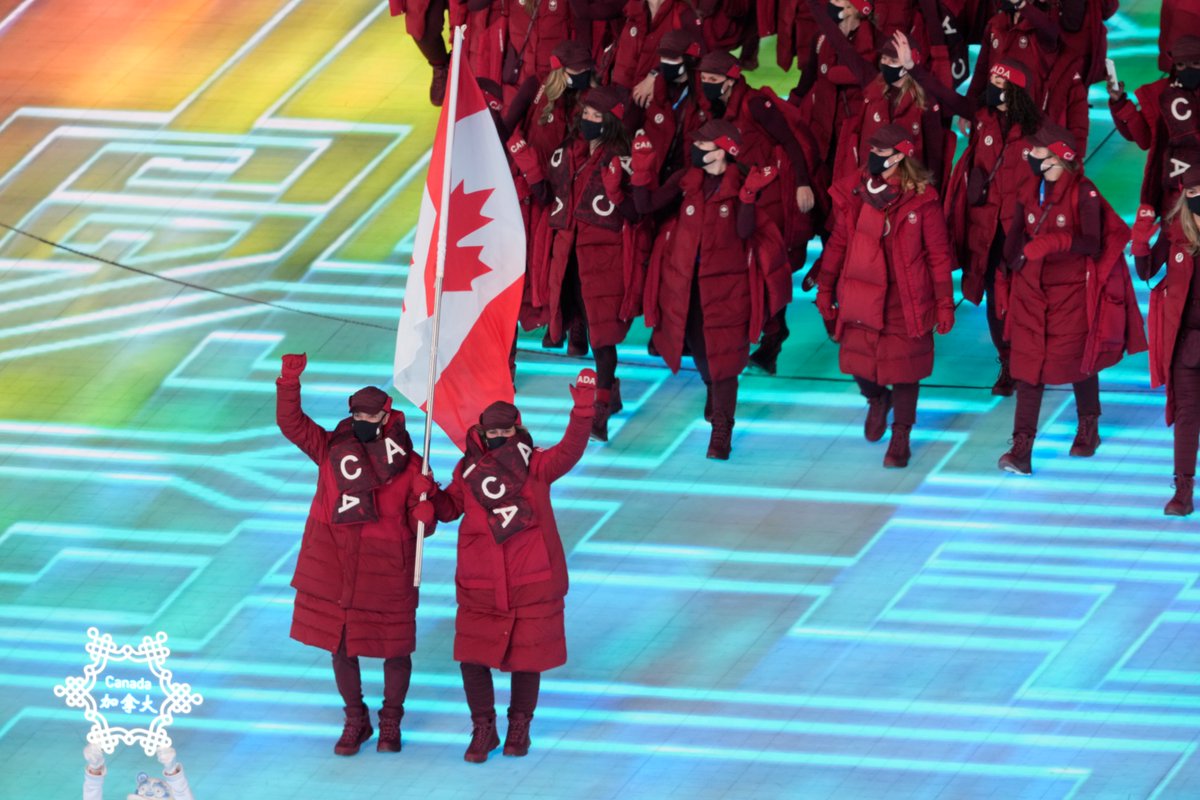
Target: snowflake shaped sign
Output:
[(178, 697)]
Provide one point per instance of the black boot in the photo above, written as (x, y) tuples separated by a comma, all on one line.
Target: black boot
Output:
[(600, 421), (766, 357), (1004, 385), (708, 402)]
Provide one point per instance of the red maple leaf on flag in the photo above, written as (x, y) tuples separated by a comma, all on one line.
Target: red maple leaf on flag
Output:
[(462, 261)]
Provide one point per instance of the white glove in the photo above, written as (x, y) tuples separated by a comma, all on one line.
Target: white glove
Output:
[(93, 757), (166, 757)]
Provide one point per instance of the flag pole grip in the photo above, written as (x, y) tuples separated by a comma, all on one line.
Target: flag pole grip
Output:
[(451, 117)]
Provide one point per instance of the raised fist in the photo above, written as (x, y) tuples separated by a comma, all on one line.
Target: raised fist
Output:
[(93, 757), (583, 392), (642, 160), (166, 757), (293, 365)]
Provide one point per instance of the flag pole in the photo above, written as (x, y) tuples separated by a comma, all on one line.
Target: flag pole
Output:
[(451, 116)]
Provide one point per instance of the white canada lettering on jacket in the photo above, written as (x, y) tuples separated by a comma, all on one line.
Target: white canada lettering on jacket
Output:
[(349, 501), (357, 471), (392, 449), (526, 452), (1179, 167)]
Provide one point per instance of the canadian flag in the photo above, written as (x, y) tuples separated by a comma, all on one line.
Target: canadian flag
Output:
[(484, 269)]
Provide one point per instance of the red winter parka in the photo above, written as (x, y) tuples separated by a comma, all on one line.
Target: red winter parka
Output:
[(534, 30), (1032, 40), (889, 271), (1073, 312), (353, 579), (510, 595), (1168, 125), (982, 194), (1174, 309), (743, 276), (884, 105), (635, 52), (587, 225)]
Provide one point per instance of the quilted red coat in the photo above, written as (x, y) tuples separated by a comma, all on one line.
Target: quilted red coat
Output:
[(352, 579), (587, 225), (1068, 315), (1169, 302), (889, 271), (1166, 122), (635, 52), (935, 145), (510, 595), (741, 282), (973, 227)]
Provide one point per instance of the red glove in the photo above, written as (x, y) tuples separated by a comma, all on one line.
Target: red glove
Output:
[(583, 392), (642, 161), (825, 305), (423, 484), (612, 177), (1144, 228), (525, 159), (422, 514), (1047, 244), (758, 179), (293, 365), (945, 319)]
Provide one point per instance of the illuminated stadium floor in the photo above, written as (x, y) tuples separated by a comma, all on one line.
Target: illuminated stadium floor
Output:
[(795, 623)]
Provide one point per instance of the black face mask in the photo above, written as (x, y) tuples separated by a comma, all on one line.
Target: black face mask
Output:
[(1036, 165), (590, 130), (698, 157), (1011, 5), (713, 92), (494, 442), (891, 74), (365, 430), (877, 164), (670, 72), (1193, 204), (994, 96), (581, 81), (1189, 78), (835, 12)]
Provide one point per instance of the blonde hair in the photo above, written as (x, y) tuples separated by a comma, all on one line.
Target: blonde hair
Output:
[(1187, 221), (909, 86), (553, 88), (914, 176)]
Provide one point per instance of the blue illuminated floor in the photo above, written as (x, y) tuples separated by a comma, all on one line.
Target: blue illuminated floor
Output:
[(795, 623)]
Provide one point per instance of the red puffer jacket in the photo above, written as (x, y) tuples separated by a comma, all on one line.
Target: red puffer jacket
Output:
[(934, 148), (973, 227), (1032, 41), (532, 39), (587, 226), (510, 595), (1169, 304), (636, 50), (1168, 125), (889, 271), (741, 281), (1068, 315), (356, 579)]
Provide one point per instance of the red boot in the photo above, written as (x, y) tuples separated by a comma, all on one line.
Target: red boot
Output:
[(356, 731), (389, 731), (898, 452), (877, 411), (1019, 459), (721, 442), (1181, 504), (484, 739), (516, 741)]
